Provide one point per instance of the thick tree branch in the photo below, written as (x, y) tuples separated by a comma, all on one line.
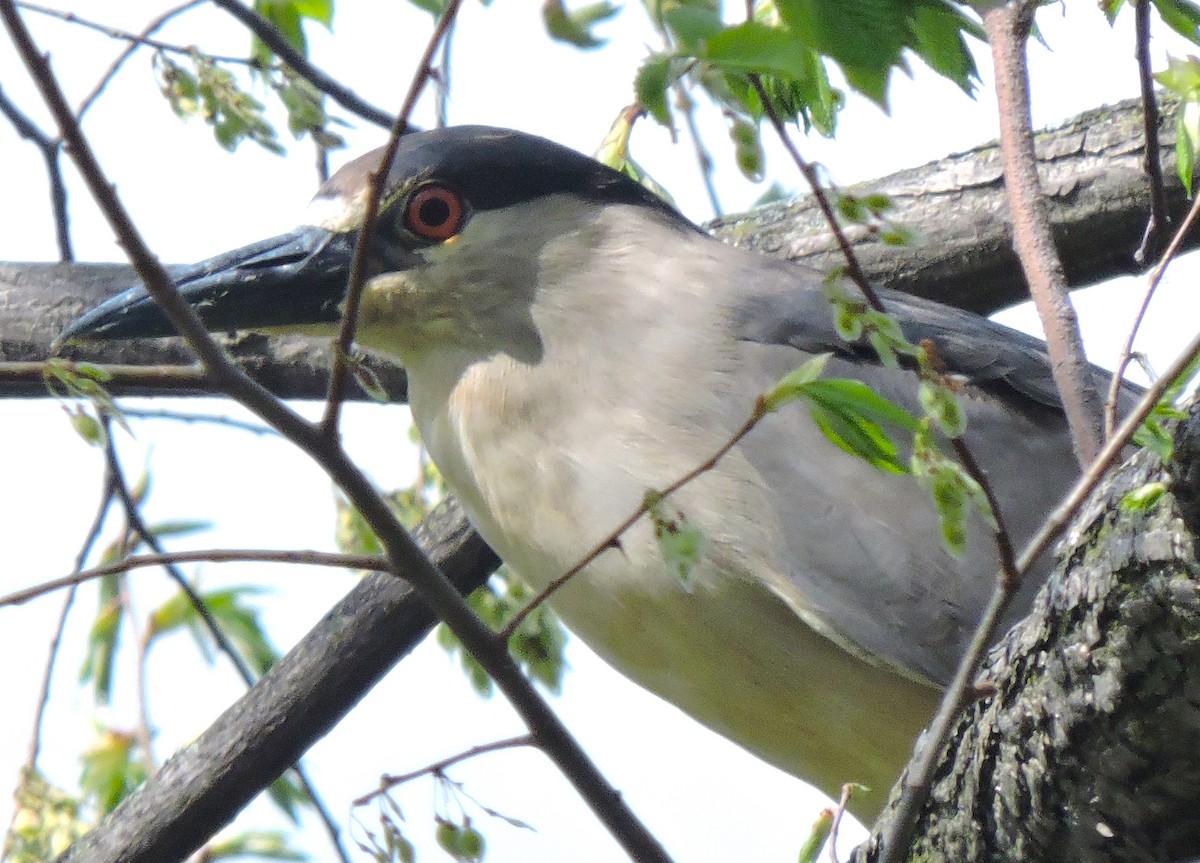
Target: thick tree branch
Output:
[(1086, 748), (1096, 194), (1090, 168)]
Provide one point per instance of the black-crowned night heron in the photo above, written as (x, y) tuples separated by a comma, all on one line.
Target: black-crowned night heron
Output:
[(571, 341)]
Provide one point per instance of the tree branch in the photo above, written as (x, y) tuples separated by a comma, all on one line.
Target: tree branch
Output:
[(1083, 749)]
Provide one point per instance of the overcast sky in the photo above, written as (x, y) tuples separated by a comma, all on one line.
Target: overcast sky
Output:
[(702, 796)]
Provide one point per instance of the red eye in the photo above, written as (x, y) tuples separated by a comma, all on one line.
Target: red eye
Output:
[(435, 213)]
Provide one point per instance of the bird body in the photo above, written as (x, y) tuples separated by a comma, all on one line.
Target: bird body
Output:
[(572, 343)]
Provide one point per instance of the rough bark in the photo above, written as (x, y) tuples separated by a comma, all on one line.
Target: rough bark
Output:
[(1090, 167), (1114, 705), (38, 300), (1097, 195), (1089, 747)]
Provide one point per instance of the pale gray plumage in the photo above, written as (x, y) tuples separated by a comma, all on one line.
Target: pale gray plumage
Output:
[(574, 343)]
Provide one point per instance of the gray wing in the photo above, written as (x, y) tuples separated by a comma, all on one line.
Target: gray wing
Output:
[(863, 546)]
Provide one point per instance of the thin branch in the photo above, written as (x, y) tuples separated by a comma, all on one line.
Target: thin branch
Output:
[(49, 148), (613, 540), (273, 39), (1008, 26), (1114, 387), (405, 555), (843, 802), (141, 639), (184, 379), (208, 555), (135, 40), (35, 742), (200, 419), (149, 30), (387, 783), (1008, 579), (358, 265), (853, 269), (1159, 222), (146, 537), (441, 76), (704, 161)]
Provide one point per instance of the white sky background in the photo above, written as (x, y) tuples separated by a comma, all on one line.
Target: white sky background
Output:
[(703, 797)]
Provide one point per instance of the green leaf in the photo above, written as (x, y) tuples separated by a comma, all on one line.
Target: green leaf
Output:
[(860, 437), (1144, 497), (680, 541), (87, 427), (865, 37), (810, 851), (102, 639), (953, 490), (748, 149), (692, 25), (238, 620), (264, 844), (855, 397), (1182, 16), (1185, 153), (112, 767), (575, 28), (942, 405), (937, 30), (753, 47), (792, 385), (651, 85)]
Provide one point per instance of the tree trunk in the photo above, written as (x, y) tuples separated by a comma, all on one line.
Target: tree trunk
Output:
[(1089, 747)]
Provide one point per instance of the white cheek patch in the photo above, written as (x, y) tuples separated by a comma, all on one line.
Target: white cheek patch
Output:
[(338, 214)]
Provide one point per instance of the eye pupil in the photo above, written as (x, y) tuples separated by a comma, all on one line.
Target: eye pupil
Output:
[(435, 213)]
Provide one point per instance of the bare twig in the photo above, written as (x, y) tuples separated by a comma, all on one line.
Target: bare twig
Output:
[(704, 161), (357, 278), (843, 802), (199, 419), (1008, 27), (208, 555), (853, 269), (180, 378), (1114, 387), (135, 40), (273, 39), (547, 730), (387, 782), (49, 148), (114, 67), (1159, 222), (35, 742), (441, 77), (141, 640), (146, 537)]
